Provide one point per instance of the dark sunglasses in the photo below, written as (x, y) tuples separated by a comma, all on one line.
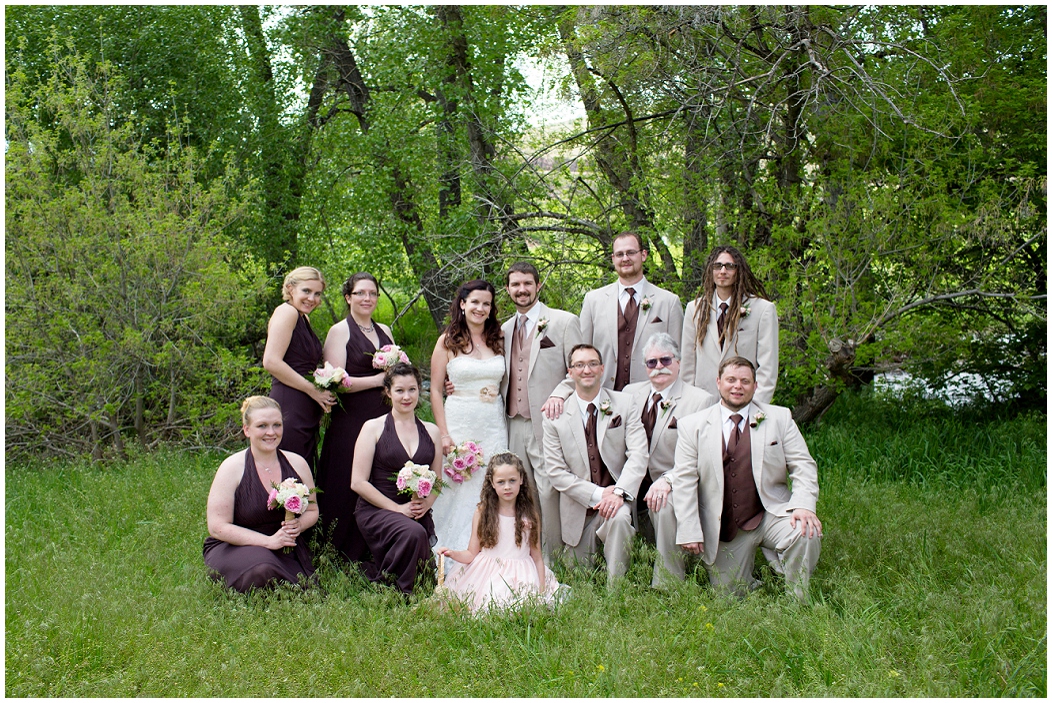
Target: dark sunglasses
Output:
[(664, 361)]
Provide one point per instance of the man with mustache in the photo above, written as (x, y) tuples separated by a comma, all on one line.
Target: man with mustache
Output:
[(664, 401)]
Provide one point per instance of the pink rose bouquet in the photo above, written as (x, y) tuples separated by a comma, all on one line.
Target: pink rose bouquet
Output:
[(416, 479), (461, 463), (331, 378), (291, 495), (388, 355)]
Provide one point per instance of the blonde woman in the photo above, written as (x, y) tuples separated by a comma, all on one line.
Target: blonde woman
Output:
[(246, 542), (292, 352)]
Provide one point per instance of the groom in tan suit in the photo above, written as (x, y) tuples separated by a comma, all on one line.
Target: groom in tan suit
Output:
[(731, 487), (663, 401), (595, 454), (618, 318), (537, 342)]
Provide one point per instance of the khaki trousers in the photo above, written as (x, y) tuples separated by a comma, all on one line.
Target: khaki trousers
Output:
[(671, 564), (616, 535), (788, 552)]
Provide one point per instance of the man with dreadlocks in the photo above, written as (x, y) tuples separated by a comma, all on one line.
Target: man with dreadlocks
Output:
[(732, 316)]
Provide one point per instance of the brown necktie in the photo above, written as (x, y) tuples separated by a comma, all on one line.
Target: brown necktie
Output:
[(626, 333), (650, 417), (736, 433), (594, 463), (720, 322)]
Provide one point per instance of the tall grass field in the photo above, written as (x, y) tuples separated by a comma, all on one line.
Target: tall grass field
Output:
[(932, 582)]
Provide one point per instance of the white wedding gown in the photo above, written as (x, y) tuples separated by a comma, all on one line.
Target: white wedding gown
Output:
[(475, 411)]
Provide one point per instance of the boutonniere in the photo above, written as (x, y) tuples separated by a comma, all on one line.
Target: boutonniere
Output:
[(604, 407), (665, 405), (757, 419), (645, 304), (542, 324), (744, 313)]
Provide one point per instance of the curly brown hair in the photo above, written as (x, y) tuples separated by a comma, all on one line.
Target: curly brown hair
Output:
[(746, 284), (458, 336), (526, 515)]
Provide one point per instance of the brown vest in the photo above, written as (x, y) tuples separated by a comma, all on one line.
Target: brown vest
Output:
[(742, 508), (626, 334), (518, 365)]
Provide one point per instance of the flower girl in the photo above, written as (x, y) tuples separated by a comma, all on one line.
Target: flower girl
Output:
[(502, 565)]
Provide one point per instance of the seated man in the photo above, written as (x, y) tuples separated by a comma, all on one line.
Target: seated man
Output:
[(664, 401), (731, 489), (595, 455)]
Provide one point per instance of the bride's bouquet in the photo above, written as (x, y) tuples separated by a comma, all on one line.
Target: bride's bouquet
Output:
[(388, 355), (416, 479), (463, 461), (291, 495)]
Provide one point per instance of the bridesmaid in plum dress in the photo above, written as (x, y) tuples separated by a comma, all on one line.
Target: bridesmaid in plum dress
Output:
[(350, 344), (246, 543), (398, 529), (292, 352)]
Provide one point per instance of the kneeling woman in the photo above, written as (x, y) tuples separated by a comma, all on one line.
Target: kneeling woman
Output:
[(247, 542), (398, 529)]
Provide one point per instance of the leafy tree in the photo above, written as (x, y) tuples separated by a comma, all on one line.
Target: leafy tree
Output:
[(124, 303)]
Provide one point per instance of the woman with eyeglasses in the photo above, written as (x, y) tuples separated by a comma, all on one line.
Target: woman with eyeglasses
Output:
[(350, 344), (732, 316)]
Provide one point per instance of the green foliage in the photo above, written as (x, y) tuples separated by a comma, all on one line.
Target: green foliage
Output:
[(928, 585), (130, 292)]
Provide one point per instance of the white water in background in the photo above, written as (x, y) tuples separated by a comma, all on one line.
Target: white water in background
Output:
[(961, 390)]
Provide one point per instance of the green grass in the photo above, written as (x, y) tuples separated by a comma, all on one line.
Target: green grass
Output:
[(932, 582)]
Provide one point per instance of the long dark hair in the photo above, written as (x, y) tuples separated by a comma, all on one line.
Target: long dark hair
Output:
[(746, 284), (526, 515), (458, 336)]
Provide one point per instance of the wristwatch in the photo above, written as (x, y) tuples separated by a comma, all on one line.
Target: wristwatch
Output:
[(618, 491)]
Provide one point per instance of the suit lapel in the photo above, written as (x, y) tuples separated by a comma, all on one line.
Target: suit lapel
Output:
[(714, 448), (535, 340), (664, 417), (602, 421), (758, 441), (643, 317), (572, 413)]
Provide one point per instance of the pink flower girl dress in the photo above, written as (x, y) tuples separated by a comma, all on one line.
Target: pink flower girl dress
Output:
[(503, 576)]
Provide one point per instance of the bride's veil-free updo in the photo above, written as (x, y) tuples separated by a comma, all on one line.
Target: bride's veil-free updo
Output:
[(254, 403)]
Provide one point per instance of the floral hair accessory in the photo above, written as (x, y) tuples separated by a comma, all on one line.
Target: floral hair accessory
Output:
[(757, 419)]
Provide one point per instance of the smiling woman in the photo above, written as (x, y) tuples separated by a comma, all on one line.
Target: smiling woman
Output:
[(292, 352), (249, 545)]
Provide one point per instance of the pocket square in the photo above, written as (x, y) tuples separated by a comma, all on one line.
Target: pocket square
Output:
[(672, 424), (615, 421), (547, 343), (656, 320), (773, 443)]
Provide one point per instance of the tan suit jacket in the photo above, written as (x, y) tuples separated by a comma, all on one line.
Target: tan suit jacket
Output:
[(549, 350), (779, 454), (683, 400), (599, 324), (622, 445), (756, 340)]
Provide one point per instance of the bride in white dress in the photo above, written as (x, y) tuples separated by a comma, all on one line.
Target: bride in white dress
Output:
[(471, 354)]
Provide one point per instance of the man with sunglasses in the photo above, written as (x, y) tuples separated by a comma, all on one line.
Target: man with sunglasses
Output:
[(619, 317), (663, 401), (732, 316), (595, 454)]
